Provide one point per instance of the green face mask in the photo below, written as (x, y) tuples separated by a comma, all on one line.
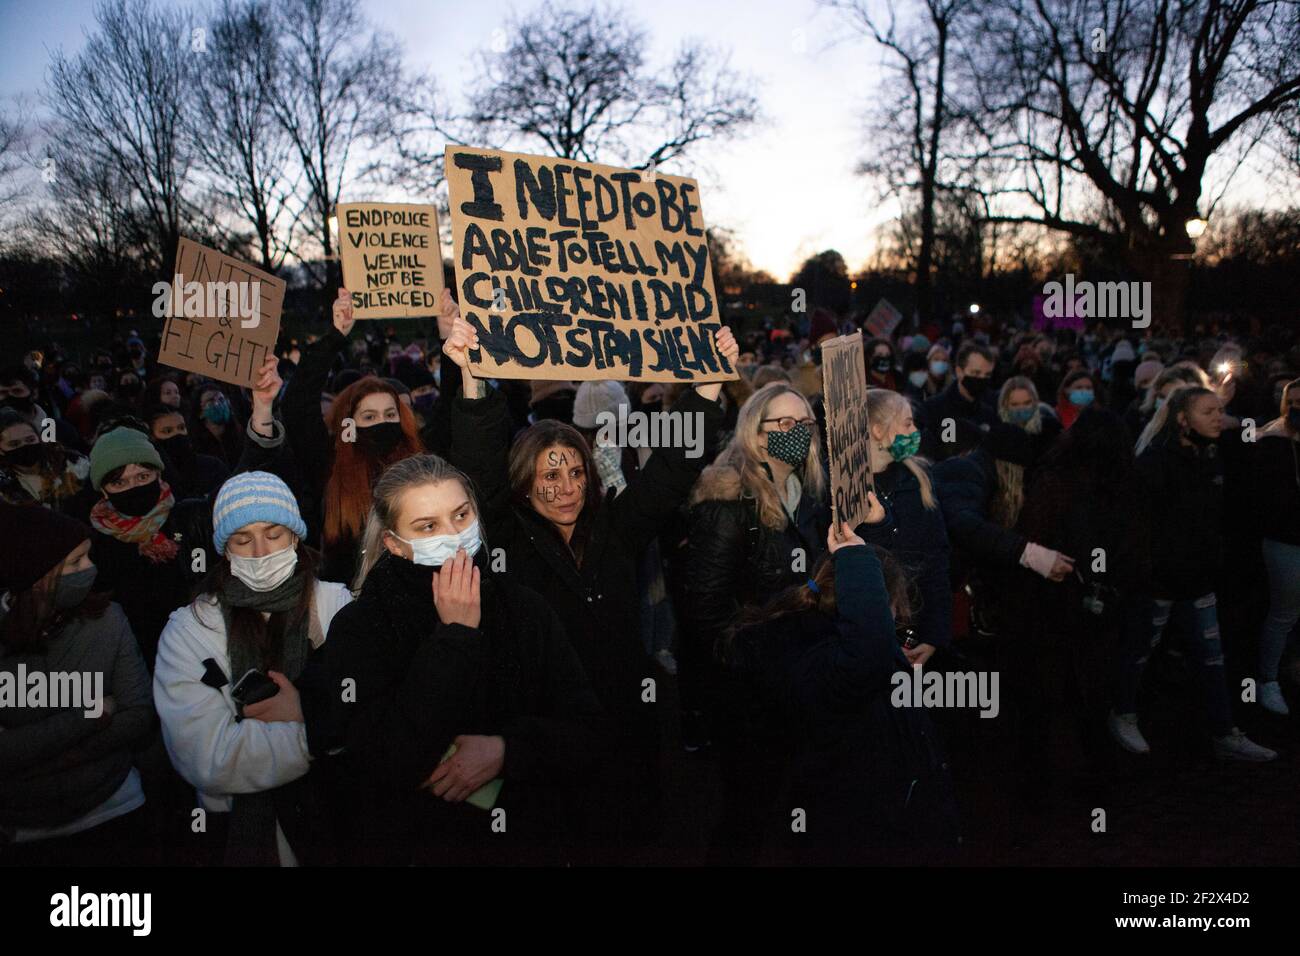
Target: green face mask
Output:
[(905, 446)]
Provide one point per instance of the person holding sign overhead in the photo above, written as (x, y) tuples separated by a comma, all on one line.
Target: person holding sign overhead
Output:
[(369, 428), (541, 506)]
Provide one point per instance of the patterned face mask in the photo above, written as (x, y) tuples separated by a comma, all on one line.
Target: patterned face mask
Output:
[(905, 446), (790, 447)]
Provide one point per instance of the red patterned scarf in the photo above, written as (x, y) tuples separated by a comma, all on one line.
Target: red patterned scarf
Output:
[(142, 530)]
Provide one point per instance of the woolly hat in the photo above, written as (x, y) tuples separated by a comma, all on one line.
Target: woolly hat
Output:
[(251, 497), (822, 325), (118, 448), (594, 398), (1147, 372), (36, 540)]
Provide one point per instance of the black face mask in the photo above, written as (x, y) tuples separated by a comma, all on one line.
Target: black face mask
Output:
[(137, 501), (179, 448), (975, 387), (882, 364), (380, 439), (24, 456), (1293, 418)]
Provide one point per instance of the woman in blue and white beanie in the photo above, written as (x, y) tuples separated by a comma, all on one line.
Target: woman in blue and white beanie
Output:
[(260, 609)]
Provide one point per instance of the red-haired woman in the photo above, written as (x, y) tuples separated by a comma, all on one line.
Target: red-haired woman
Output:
[(339, 460)]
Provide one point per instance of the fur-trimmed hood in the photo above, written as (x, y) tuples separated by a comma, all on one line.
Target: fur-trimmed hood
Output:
[(718, 482)]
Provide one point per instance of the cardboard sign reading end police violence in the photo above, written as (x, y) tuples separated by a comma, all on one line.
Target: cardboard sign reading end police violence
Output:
[(848, 430), (392, 262), (573, 270), (223, 315)]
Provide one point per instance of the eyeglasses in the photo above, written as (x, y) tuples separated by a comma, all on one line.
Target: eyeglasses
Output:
[(787, 422)]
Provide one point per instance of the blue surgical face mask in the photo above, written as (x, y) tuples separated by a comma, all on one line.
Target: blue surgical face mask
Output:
[(437, 549), (938, 369), (1081, 397), (1020, 416)]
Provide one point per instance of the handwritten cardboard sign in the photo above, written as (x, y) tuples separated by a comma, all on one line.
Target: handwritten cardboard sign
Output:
[(573, 270), (223, 315), (848, 431), (392, 263), (882, 321)]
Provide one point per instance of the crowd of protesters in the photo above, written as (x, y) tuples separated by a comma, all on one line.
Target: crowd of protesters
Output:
[(375, 609)]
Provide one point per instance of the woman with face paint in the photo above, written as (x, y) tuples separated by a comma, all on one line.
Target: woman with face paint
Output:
[(467, 695), (581, 552), (1181, 475), (68, 790), (33, 471), (1276, 476), (261, 611), (912, 527)]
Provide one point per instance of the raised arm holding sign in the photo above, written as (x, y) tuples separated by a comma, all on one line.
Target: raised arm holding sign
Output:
[(573, 271), (392, 262), (848, 430), (223, 315)]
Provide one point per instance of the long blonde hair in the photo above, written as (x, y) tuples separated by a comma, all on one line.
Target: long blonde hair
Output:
[(883, 408), (1010, 496), (745, 455), (386, 502), (1164, 424)]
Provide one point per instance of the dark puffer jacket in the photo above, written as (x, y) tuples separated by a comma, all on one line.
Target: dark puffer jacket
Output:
[(734, 560)]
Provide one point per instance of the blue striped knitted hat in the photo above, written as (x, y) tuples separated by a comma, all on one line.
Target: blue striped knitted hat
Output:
[(250, 497)]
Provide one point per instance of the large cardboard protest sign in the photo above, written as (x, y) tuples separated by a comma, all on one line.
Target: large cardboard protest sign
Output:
[(573, 270), (882, 321), (392, 262), (848, 431), (223, 315)]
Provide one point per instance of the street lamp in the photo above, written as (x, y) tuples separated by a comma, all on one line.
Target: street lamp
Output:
[(974, 308), (1195, 227)]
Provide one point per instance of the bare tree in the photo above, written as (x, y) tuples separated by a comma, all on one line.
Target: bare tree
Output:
[(11, 140), (118, 106), (331, 96), (910, 154), (1111, 113), (574, 82), (233, 131)]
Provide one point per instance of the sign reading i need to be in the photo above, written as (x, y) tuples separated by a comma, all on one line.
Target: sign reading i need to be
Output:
[(572, 270), (392, 261)]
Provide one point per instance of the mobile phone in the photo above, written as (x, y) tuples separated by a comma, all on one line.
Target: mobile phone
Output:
[(254, 686)]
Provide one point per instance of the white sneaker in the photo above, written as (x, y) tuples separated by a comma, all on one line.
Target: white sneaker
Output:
[(1270, 698), (1237, 746), (667, 661), (1124, 728)]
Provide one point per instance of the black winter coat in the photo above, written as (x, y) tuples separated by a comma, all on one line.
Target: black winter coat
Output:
[(596, 602), (1275, 477), (1182, 491), (811, 725), (966, 486), (419, 683), (918, 538), (950, 403)]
